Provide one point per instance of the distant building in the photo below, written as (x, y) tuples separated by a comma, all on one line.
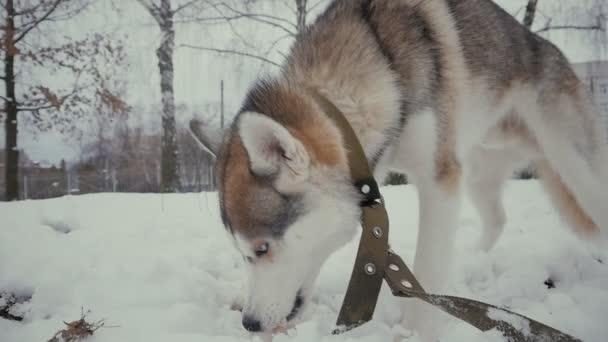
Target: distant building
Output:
[(595, 77)]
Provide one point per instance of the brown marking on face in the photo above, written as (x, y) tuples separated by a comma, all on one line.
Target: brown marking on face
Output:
[(566, 203), (250, 204), (237, 185)]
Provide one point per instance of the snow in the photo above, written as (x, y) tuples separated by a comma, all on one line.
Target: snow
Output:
[(162, 268)]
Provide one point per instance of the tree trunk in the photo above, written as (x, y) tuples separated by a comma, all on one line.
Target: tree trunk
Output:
[(301, 14), (10, 123), (170, 181), (530, 13)]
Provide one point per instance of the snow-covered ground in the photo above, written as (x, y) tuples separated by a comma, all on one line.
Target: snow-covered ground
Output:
[(161, 268)]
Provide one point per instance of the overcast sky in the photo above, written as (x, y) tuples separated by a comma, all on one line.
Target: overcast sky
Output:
[(198, 74)]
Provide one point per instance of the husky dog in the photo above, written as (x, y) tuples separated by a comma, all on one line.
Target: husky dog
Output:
[(455, 93)]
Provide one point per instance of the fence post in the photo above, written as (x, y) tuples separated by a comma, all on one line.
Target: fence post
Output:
[(114, 182), (211, 180), (222, 104), (25, 194), (158, 178), (106, 174)]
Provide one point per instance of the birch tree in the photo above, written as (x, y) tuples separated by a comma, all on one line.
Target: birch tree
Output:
[(164, 14)]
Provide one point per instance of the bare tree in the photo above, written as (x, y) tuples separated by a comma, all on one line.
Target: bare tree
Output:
[(26, 45), (164, 14)]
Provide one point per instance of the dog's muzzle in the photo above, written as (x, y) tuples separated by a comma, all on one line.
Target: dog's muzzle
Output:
[(251, 324)]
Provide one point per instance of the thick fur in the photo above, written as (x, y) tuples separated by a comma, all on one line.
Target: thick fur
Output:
[(439, 89)]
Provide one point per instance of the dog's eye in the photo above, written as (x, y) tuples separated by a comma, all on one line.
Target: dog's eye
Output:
[(261, 249)]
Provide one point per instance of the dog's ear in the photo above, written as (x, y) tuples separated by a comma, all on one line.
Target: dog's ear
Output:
[(209, 138), (272, 149)]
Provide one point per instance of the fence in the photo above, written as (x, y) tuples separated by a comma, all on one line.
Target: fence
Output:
[(40, 183)]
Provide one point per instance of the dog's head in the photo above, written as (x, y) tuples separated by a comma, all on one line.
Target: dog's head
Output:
[(285, 197)]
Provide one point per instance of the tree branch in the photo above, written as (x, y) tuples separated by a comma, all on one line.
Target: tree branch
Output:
[(258, 15), (37, 22), (187, 4), (53, 105), (312, 7), (234, 52), (596, 27), (35, 109), (272, 46), (152, 9), (237, 14), (286, 3), (27, 10)]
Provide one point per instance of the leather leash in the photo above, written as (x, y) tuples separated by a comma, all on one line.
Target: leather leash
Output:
[(376, 262)]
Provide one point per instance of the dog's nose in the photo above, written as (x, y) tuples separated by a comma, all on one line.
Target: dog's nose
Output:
[(251, 324)]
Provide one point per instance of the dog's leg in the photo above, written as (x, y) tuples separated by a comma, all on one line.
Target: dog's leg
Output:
[(487, 171), (439, 203)]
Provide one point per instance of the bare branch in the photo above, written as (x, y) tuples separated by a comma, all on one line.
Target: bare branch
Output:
[(152, 9), (596, 27), (286, 3), (37, 22), (315, 5), (272, 46), (149, 6), (187, 4), (258, 15), (35, 109), (27, 10), (239, 16), (234, 52)]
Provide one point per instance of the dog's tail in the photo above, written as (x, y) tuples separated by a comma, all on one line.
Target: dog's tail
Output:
[(571, 135), (566, 203)]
